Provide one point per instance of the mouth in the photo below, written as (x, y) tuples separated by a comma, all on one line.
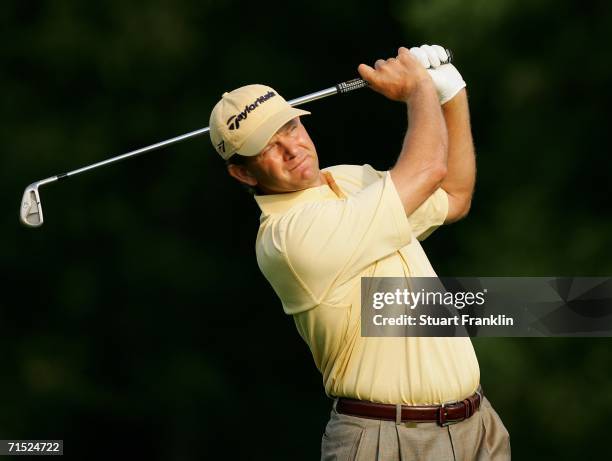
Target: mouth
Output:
[(300, 162)]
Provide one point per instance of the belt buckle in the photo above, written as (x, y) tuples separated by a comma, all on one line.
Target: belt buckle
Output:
[(442, 421)]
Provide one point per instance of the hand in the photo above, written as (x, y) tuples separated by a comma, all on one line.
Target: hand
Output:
[(446, 77), (396, 78)]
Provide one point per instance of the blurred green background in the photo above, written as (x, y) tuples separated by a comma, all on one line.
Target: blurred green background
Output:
[(137, 314)]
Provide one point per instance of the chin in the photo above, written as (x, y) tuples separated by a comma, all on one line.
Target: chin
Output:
[(309, 169), (309, 173)]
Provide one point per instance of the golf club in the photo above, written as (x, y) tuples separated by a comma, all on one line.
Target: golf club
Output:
[(31, 214)]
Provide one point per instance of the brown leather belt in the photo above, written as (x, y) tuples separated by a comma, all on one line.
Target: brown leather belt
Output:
[(444, 415)]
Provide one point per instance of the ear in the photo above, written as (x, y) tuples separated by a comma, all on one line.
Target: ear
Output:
[(242, 174)]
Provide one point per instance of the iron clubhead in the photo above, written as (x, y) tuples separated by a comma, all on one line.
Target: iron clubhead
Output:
[(30, 213)]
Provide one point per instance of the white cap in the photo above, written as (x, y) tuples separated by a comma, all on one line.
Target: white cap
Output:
[(244, 120)]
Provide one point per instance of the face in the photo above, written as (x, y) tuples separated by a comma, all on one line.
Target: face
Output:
[(288, 163)]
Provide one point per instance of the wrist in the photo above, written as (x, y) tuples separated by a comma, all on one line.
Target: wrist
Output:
[(457, 102), (423, 87)]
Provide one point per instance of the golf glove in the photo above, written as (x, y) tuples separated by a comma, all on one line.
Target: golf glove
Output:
[(446, 77)]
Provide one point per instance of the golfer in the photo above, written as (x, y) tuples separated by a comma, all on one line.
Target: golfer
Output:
[(409, 398)]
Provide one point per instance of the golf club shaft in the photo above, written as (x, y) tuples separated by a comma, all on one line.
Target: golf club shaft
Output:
[(343, 87)]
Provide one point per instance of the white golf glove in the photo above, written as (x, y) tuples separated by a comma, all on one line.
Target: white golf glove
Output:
[(446, 77)]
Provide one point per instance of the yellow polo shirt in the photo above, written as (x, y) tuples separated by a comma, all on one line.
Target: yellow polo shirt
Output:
[(314, 246)]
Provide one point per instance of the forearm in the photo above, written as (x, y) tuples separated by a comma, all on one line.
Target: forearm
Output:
[(461, 165), (421, 164)]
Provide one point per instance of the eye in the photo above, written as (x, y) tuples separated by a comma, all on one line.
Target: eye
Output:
[(268, 148)]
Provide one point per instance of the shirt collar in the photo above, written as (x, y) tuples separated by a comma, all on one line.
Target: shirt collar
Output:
[(280, 203)]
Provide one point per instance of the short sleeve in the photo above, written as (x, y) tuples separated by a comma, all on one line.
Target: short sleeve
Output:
[(430, 215), (323, 243)]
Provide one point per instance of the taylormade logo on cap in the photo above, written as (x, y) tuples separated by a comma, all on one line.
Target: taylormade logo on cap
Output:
[(234, 121), (245, 119)]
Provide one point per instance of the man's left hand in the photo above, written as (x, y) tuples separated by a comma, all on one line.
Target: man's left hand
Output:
[(446, 77)]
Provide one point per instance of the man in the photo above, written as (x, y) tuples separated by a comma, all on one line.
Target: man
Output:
[(322, 230)]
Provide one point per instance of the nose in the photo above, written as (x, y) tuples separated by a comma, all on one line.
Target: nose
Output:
[(290, 147)]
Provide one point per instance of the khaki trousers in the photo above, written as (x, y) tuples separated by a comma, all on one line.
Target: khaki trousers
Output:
[(482, 437)]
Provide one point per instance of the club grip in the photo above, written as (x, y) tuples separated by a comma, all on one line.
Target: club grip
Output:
[(358, 83), (351, 85)]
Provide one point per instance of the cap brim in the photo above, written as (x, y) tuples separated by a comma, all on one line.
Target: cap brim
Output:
[(255, 143)]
